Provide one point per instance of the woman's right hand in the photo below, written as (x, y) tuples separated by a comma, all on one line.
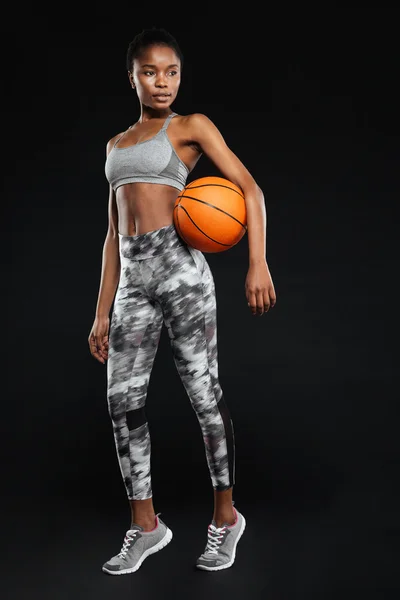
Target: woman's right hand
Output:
[(98, 339)]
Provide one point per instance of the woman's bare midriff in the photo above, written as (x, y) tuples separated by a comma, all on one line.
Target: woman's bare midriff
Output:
[(144, 207)]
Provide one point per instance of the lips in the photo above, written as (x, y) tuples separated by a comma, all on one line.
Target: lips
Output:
[(161, 95)]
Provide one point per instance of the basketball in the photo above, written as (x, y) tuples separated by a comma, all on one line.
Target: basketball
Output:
[(210, 214)]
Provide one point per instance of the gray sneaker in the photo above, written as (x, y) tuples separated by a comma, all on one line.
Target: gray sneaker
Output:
[(220, 550), (137, 546)]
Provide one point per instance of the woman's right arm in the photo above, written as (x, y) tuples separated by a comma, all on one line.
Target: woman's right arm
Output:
[(110, 269), (110, 273)]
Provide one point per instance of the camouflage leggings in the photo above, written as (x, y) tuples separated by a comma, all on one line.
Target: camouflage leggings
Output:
[(164, 280)]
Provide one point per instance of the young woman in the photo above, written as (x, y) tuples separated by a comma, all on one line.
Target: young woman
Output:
[(158, 278)]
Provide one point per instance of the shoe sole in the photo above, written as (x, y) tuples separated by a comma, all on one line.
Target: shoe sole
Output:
[(230, 563), (161, 544)]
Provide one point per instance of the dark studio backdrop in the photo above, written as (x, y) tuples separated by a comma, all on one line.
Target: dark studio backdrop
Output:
[(308, 103)]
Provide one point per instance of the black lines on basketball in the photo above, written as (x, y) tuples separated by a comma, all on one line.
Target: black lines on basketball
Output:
[(178, 226), (228, 187), (195, 224), (215, 208)]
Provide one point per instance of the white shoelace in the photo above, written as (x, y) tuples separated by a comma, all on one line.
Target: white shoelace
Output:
[(215, 535), (125, 546)]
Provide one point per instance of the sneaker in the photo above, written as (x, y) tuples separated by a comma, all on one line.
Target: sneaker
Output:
[(137, 546), (221, 545)]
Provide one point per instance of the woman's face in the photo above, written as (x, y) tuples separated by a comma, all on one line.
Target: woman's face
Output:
[(156, 75)]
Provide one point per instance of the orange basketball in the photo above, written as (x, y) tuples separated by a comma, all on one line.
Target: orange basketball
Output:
[(210, 214)]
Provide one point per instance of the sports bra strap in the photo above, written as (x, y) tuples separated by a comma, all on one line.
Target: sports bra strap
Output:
[(163, 128), (167, 121), (121, 136)]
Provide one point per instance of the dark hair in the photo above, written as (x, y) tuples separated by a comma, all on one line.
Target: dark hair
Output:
[(151, 37)]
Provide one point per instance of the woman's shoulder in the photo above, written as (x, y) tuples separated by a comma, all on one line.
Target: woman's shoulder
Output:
[(195, 121), (193, 117)]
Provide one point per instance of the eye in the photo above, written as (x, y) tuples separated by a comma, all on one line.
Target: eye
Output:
[(173, 72), (148, 72)]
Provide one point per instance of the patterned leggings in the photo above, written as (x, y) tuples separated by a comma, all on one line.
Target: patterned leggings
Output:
[(164, 280)]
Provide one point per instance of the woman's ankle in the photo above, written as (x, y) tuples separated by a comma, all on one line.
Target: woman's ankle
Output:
[(146, 522)]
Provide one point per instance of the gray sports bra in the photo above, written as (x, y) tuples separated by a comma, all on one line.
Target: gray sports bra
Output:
[(151, 161)]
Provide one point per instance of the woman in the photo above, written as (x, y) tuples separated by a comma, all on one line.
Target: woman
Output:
[(159, 279)]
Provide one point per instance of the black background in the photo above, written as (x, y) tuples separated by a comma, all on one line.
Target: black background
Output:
[(307, 99)]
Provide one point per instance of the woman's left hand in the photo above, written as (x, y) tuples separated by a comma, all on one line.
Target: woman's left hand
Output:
[(260, 291)]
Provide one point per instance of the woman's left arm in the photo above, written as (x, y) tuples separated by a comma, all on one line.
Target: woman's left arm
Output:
[(259, 287)]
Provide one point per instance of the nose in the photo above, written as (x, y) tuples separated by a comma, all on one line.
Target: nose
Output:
[(161, 81)]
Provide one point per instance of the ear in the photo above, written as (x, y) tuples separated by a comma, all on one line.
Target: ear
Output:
[(130, 77)]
